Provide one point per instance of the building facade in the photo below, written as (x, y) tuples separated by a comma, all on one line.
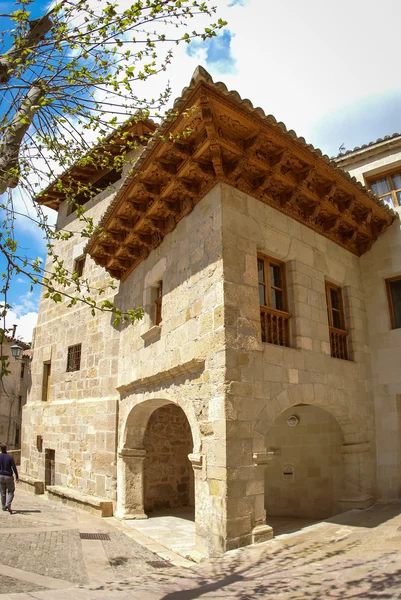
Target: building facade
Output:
[(13, 391), (378, 167), (248, 389)]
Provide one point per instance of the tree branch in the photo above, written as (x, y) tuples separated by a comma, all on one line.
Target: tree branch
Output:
[(12, 139), (31, 39)]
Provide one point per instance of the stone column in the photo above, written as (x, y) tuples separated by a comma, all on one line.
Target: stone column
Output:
[(357, 476), (130, 486), (202, 525), (261, 532)]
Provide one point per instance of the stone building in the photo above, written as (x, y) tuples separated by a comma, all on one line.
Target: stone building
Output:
[(378, 166), (13, 391), (250, 387)]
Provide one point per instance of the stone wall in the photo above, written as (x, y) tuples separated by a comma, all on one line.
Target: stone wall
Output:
[(305, 477), (168, 474), (78, 421), (381, 262), (263, 380), (182, 363)]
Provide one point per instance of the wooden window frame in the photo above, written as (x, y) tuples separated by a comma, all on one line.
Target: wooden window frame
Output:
[(390, 300), (159, 303), (386, 175), (79, 265), (46, 381), (22, 374), (338, 335), (274, 322), (72, 361)]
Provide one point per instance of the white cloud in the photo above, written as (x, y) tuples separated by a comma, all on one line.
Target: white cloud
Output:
[(25, 324), (24, 315)]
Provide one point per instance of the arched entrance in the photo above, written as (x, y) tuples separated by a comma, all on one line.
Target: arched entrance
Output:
[(168, 473), (305, 478), (154, 470), (277, 469)]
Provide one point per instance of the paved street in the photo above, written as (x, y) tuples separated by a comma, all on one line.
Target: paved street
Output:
[(354, 556)]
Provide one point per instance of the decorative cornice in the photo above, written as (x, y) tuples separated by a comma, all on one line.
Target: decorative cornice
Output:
[(192, 366), (115, 144), (218, 137)]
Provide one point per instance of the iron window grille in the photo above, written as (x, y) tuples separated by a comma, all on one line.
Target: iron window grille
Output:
[(74, 358)]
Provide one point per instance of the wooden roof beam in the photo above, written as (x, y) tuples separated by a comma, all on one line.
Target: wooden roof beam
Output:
[(215, 150)]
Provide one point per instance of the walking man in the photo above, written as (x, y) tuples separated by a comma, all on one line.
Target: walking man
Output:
[(7, 485)]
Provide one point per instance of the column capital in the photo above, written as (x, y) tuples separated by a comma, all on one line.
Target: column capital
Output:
[(127, 453), (355, 448), (263, 459), (196, 459)]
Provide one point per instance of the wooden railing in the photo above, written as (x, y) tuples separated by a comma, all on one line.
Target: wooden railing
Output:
[(338, 343), (275, 326)]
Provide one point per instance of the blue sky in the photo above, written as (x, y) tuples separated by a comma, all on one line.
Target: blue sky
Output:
[(327, 70)]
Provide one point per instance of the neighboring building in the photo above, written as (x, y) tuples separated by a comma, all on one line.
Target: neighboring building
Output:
[(247, 389), (13, 391)]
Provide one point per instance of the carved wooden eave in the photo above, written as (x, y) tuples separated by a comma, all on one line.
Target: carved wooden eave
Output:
[(218, 137), (136, 131)]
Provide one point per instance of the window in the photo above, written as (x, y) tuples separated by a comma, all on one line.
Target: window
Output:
[(274, 317), (19, 403), (22, 370), (74, 358), (79, 266), (46, 381), (158, 303), (388, 188), (337, 331), (17, 436), (394, 299)]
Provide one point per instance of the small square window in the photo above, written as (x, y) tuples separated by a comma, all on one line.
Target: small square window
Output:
[(74, 358), (394, 300), (79, 266)]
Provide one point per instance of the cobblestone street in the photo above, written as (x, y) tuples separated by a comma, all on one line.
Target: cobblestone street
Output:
[(41, 548), (356, 556)]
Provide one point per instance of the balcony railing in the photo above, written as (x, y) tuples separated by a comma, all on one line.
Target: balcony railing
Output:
[(338, 343), (275, 326)]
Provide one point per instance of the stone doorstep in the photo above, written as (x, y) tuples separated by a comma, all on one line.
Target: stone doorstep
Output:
[(26, 482), (76, 499)]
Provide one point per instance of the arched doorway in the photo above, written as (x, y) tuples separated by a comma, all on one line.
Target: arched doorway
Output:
[(305, 478), (168, 473)]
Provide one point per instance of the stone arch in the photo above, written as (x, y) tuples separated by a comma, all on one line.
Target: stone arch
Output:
[(353, 425), (132, 453), (358, 453), (134, 427)]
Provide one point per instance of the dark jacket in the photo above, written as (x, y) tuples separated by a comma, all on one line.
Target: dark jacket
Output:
[(7, 465)]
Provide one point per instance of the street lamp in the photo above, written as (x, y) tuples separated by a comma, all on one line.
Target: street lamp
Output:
[(16, 351)]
